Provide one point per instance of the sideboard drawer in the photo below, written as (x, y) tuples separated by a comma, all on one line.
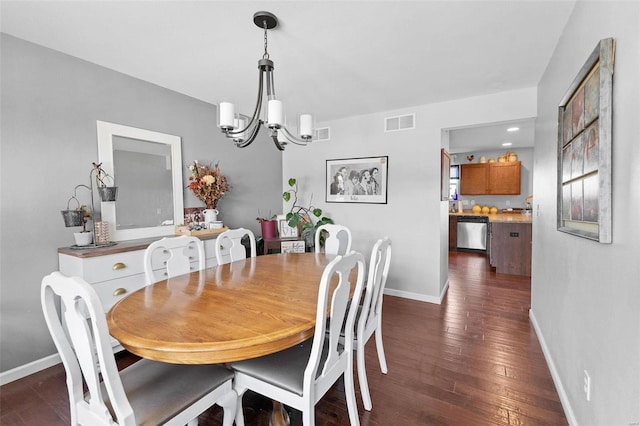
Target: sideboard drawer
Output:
[(110, 292), (103, 268)]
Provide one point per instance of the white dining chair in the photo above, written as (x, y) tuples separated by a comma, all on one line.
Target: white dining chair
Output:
[(146, 392), (370, 314), (300, 376), (230, 241), (172, 256), (337, 239)]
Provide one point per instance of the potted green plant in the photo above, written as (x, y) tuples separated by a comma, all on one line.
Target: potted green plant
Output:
[(303, 217)]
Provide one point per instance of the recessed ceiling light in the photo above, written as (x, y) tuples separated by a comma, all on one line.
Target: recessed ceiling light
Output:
[(513, 129), (507, 144)]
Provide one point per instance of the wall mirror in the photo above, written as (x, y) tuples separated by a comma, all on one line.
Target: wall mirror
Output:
[(147, 169)]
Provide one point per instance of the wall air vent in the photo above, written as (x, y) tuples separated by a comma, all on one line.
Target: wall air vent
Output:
[(321, 134), (401, 122)]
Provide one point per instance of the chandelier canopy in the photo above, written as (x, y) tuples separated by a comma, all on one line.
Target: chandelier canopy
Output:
[(243, 129)]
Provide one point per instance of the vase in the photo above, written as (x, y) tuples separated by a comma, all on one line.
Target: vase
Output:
[(210, 215), (268, 228)]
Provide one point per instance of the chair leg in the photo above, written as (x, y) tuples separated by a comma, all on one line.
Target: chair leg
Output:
[(380, 348), (362, 376), (239, 413), (350, 394), (309, 414), (229, 404)]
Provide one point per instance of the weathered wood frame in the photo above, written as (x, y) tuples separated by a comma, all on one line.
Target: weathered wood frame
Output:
[(600, 230), (445, 172)]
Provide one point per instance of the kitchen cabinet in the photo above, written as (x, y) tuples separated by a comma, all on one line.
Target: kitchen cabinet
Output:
[(453, 232), (490, 178), (510, 247)]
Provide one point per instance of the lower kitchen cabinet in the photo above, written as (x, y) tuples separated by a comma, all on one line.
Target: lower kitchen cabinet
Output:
[(453, 232), (510, 248)]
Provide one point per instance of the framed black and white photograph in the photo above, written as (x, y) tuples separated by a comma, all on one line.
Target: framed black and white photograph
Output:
[(357, 180), (584, 149)]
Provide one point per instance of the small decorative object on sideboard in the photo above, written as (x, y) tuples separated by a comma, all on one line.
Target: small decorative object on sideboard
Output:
[(82, 214), (208, 184), (107, 193), (470, 158)]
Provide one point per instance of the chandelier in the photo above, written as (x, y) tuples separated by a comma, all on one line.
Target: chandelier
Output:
[(243, 129)]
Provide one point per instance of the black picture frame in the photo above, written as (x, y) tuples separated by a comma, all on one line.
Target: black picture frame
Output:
[(347, 181)]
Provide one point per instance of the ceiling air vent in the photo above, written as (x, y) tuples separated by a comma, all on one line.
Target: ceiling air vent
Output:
[(401, 122), (321, 134)]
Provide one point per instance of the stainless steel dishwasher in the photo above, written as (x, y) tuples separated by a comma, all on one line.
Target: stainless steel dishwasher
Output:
[(472, 233)]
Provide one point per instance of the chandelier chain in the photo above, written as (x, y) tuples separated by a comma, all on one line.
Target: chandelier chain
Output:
[(266, 54)]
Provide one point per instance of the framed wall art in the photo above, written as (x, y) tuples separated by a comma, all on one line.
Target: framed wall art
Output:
[(584, 149), (292, 246), (284, 230), (357, 180), (445, 175)]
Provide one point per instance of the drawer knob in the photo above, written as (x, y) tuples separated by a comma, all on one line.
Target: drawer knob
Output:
[(119, 265), (119, 291)]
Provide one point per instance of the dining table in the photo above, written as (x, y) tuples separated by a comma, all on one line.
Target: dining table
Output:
[(231, 312)]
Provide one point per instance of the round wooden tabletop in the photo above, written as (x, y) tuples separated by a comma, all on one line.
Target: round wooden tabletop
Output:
[(232, 312)]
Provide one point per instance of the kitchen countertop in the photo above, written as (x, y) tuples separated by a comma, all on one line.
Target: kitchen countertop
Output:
[(500, 217)]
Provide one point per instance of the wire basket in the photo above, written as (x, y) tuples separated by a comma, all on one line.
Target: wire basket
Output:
[(73, 217), (108, 193)]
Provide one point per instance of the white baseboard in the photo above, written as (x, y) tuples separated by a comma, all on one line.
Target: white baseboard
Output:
[(30, 368), (418, 296), (564, 399)]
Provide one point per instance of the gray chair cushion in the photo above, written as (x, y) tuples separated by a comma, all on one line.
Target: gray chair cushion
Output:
[(157, 390), (284, 369)]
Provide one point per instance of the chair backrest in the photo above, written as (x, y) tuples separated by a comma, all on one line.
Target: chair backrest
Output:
[(337, 239), (230, 241), (338, 357), (172, 256), (376, 281), (85, 351)]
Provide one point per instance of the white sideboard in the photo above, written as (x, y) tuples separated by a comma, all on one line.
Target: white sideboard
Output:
[(118, 270)]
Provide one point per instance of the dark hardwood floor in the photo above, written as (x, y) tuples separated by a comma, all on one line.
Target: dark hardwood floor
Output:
[(473, 360)]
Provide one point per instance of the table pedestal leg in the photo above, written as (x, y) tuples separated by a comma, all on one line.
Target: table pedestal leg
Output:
[(279, 416)]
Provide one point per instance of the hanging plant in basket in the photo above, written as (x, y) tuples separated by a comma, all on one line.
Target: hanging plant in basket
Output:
[(107, 192)]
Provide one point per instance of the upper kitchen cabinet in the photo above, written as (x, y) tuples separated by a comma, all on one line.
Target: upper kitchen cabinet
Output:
[(490, 178)]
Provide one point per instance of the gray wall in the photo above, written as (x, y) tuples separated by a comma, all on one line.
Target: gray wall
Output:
[(415, 218), (49, 107), (584, 294)]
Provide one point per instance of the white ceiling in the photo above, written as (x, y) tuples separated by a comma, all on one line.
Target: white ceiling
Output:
[(491, 137), (334, 59)]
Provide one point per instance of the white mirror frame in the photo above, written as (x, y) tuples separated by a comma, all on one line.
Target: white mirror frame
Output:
[(106, 132)]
